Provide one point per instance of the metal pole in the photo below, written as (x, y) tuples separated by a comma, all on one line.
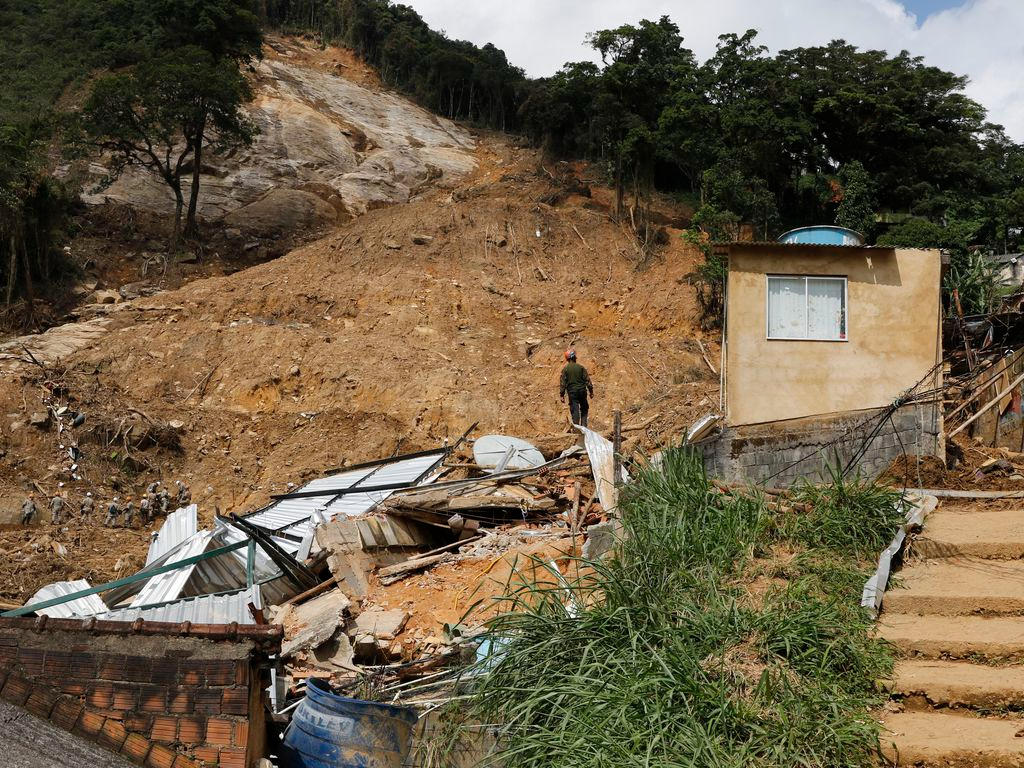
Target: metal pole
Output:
[(250, 563), (616, 449)]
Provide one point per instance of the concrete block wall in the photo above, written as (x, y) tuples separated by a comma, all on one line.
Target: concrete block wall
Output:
[(780, 453), (161, 695)]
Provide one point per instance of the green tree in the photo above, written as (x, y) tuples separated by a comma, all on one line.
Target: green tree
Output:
[(856, 209), (162, 115)]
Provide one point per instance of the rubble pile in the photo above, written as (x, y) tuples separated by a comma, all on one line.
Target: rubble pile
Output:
[(380, 574)]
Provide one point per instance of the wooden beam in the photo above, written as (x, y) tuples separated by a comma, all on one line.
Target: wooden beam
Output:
[(988, 406)]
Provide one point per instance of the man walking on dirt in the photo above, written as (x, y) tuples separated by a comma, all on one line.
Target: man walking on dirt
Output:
[(28, 510), (576, 383)]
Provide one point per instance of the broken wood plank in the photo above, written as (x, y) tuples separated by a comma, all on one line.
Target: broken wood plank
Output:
[(393, 573), (704, 354), (988, 406)]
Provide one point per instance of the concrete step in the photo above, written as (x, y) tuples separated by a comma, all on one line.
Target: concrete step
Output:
[(952, 740), (955, 637), (960, 684), (951, 532), (959, 586)]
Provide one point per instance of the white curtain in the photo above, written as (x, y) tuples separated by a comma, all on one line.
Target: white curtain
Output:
[(787, 308), (825, 309)]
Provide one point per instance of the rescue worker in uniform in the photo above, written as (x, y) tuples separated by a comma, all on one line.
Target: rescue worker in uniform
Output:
[(576, 383)]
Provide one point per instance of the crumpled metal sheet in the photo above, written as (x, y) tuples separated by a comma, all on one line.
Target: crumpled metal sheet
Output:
[(602, 463), (204, 609), (180, 525), (82, 606), (919, 507)]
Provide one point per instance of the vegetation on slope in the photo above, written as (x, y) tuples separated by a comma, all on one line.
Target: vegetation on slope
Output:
[(718, 635)]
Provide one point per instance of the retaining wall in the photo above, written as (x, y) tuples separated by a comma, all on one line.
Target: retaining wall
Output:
[(161, 695), (780, 453)]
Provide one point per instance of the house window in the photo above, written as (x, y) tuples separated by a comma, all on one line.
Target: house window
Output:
[(807, 308)]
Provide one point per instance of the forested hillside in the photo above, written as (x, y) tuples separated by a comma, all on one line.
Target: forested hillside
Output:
[(885, 144)]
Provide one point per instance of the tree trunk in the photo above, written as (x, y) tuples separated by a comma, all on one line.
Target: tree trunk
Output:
[(12, 270), (619, 191), (191, 225), (30, 297), (179, 205)]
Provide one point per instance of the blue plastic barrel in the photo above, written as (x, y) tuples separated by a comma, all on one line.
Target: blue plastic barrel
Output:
[(331, 731), (826, 234)]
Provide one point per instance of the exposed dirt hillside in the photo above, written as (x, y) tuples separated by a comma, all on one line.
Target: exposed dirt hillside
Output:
[(393, 333)]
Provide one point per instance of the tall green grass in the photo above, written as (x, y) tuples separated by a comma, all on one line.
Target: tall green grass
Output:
[(659, 657)]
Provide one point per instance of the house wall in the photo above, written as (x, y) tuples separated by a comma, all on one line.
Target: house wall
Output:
[(780, 453), (893, 331), (161, 695)]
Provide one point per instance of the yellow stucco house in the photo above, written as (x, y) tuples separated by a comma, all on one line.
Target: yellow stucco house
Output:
[(829, 352)]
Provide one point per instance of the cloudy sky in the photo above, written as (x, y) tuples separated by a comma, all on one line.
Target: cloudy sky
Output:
[(978, 38)]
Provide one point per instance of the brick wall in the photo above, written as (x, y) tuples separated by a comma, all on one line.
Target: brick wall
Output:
[(782, 452), (162, 695)]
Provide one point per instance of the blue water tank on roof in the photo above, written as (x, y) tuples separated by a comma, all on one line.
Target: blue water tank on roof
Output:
[(826, 234)]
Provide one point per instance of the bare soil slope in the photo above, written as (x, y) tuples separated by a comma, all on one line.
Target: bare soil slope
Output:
[(394, 333)]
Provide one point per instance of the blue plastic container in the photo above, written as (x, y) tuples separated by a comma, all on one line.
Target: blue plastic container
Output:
[(331, 731), (826, 234)]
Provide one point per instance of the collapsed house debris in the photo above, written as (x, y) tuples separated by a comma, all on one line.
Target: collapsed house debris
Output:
[(320, 560)]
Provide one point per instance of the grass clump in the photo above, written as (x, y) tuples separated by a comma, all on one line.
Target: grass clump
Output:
[(661, 657)]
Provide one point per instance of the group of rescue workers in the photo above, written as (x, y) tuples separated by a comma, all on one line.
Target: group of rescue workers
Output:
[(574, 382), (156, 502)]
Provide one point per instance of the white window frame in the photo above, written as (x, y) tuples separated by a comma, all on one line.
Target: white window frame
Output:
[(805, 278)]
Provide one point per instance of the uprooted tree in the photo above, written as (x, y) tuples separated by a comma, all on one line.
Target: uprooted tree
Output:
[(165, 114)]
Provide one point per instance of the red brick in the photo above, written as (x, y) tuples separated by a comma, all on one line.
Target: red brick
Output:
[(192, 730), (8, 653), (110, 667), (207, 755), (125, 699), (65, 713), (242, 673), (165, 671), (164, 729), (218, 672), (136, 747), (17, 689), (31, 661), (41, 702), (89, 724), (235, 701), (208, 702), (218, 731), (153, 700), (57, 665), (74, 687), (139, 723), (181, 701), (160, 757), (191, 676), (100, 696), (232, 758), (112, 735), (241, 734), (138, 669), (184, 762)]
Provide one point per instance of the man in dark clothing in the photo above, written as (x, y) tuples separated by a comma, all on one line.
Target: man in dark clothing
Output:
[(576, 383)]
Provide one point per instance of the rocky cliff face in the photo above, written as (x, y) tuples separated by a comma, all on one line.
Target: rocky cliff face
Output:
[(323, 137)]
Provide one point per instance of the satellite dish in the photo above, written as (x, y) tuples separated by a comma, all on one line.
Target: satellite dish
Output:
[(501, 452)]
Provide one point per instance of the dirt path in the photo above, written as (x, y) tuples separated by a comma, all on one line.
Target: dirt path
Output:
[(957, 616)]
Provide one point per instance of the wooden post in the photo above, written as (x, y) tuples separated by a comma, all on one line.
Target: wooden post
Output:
[(616, 448)]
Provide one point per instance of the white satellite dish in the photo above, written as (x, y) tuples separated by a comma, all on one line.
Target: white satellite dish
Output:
[(501, 452)]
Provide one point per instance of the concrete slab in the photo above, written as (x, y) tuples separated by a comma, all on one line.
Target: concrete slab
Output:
[(983, 534), (959, 586), (314, 622), (955, 637), (961, 684), (382, 625), (952, 740), (28, 742)]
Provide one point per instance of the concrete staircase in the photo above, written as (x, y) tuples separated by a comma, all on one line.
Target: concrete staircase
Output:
[(957, 616)]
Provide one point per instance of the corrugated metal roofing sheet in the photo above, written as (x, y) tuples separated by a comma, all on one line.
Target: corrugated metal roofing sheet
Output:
[(293, 516), (83, 606), (168, 586), (179, 526), (204, 609)]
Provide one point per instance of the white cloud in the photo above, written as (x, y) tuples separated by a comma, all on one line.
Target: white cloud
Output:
[(980, 39)]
